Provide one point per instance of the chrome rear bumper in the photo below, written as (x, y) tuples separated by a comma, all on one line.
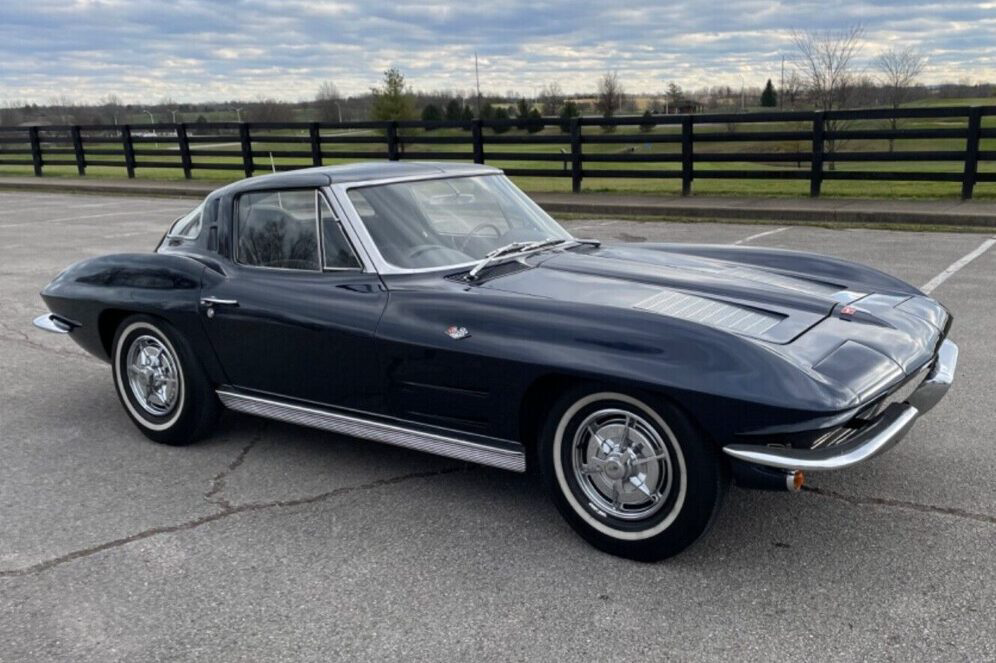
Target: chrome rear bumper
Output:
[(53, 323), (888, 429)]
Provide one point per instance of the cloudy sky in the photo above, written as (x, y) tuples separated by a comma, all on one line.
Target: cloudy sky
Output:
[(209, 49)]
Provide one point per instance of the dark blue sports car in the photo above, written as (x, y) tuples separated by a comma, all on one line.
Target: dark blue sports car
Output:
[(437, 307)]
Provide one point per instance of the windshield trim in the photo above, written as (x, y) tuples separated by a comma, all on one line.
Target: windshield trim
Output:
[(341, 194)]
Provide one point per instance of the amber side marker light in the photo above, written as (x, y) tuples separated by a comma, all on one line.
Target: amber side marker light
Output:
[(795, 480)]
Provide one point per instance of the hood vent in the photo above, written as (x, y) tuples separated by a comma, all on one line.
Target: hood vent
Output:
[(702, 310)]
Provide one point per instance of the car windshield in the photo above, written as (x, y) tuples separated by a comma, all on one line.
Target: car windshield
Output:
[(449, 221)]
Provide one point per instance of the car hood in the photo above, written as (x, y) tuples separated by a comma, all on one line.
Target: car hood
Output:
[(844, 328)]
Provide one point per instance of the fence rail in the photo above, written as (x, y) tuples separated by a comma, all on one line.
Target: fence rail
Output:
[(779, 145)]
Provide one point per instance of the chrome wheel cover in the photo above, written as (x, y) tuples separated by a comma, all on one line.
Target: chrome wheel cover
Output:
[(622, 464), (153, 375)]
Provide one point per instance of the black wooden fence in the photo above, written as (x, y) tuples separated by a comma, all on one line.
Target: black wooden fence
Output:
[(676, 146)]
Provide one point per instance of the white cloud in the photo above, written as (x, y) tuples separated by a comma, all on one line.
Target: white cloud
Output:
[(204, 49)]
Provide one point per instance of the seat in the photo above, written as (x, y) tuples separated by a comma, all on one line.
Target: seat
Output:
[(273, 237)]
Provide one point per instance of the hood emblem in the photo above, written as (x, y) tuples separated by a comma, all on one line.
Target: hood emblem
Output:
[(456, 333), (848, 310)]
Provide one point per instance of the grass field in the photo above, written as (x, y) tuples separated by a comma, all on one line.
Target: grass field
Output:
[(633, 143)]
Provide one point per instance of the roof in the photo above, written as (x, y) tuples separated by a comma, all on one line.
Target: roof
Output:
[(352, 172)]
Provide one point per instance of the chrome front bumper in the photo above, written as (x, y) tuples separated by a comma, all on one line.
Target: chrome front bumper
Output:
[(881, 435)]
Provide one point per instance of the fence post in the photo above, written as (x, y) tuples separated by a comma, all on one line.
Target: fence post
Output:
[(36, 155), (687, 162), (184, 144), (316, 144), (478, 137), (247, 164), (816, 165), (392, 140), (74, 133), (971, 152), (129, 149), (576, 162)]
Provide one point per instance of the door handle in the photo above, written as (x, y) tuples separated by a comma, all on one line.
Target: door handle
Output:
[(214, 301), (211, 303)]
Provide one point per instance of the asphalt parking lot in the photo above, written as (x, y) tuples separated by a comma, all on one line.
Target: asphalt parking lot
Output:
[(271, 542)]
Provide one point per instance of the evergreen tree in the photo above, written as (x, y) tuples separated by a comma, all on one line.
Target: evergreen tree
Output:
[(431, 113), (568, 110), (393, 101), (647, 122), (522, 112), (769, 98), (487, 112), (535, 122), (674, 94), (454, 110), (501, 113)]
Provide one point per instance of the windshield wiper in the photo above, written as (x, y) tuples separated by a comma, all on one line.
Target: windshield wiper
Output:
[(513, 249)]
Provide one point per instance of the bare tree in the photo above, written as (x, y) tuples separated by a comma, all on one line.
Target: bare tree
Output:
[(10, 114), (267, 109), (610, 95), (551, 98), (791, 92), (826, 65), (329, 102), (898, 72)]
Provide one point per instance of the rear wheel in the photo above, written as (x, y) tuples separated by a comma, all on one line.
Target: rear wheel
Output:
[(160, 383), (634, 479)]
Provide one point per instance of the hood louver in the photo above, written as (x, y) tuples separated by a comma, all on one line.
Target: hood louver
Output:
[(702, 310)]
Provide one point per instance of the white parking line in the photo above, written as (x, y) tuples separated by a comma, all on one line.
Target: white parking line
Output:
[(956, 265), (759, 235), (602, 224), (95, 216), (50, 204)]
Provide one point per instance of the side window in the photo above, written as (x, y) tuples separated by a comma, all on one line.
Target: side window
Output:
[(338, 252), (189, 225), (278, 229)]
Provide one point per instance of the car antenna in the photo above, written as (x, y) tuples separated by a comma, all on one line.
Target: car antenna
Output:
[(273, 169)]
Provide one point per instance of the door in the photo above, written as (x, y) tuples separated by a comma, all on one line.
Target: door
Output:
[(297, 313)]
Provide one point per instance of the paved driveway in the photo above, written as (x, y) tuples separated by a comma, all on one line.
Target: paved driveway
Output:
[(270, 542)]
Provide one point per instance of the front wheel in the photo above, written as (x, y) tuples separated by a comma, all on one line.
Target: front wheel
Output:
[(635, 480), (160, 382)]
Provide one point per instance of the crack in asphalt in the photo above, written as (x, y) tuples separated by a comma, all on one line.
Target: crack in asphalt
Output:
[(18, 336), (902, 504), (213, 494), (225, 512)]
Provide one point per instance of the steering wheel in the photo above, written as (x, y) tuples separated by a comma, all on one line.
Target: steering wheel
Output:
[(474, 231)]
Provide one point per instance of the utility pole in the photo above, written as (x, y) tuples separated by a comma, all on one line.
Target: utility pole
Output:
[(477, 76), (781, 87)]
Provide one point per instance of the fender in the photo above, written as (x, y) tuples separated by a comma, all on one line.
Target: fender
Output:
[(515, 340), (94, 294)]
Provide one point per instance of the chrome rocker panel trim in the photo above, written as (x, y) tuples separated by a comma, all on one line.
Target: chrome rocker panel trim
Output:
[(891, 426), (440, 445), (51, 323)]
